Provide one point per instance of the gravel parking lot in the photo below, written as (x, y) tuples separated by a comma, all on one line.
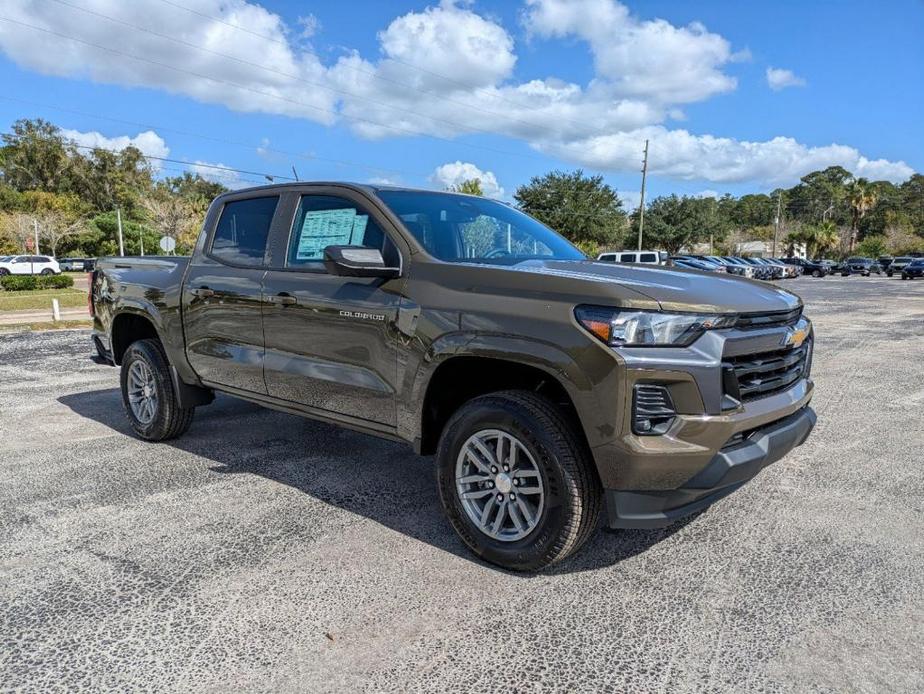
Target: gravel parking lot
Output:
[(267, 552)]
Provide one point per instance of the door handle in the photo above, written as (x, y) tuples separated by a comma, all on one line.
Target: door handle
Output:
[(203, 292), (282, 299)]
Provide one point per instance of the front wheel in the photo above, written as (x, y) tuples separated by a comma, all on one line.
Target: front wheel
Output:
[(148, 396), (816, 273), (4, 272), (517, 481), (47, 271)]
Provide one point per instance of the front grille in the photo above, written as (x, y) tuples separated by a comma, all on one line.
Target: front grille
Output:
[(768, 320), (760, 375)]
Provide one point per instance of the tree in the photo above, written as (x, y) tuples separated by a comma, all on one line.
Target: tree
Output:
[(861, 199), (470, 187), (872, 246), (672, 222), (35, 156), (583, 209), (818, 238), (17, 228), (173, 216)]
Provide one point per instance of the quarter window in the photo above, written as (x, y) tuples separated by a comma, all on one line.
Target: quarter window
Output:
[(242, 231)]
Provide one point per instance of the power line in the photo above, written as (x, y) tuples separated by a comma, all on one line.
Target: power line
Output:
[(266, 94), (212, 138)]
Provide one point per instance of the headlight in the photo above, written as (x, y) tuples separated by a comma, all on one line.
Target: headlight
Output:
[(628, 328)]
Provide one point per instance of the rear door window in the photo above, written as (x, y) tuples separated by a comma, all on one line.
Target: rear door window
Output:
[(243, 228), (648, 258), (627, 258)]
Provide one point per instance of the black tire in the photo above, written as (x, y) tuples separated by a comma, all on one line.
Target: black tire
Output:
[(47, 271), (816, 273), (574, 496), (169, 420), (4, 272), (845, 274), (888, 274)]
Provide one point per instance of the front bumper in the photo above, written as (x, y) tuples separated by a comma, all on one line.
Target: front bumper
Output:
[(728, 470)]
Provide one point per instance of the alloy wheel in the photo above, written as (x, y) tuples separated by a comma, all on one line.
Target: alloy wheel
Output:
[(499, 485), (142, 392)]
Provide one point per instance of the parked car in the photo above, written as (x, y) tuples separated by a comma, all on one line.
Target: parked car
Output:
[(809, 267), (642, 257), (790, 271), (898, 264), (543, 392), (29, 265), (761, 272), (731, 268), (691, 263), (913, 269), (73, 264), (884, 261), (774, 272), (860, 266)]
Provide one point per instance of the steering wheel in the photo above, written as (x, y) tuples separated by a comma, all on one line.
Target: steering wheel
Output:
[(497, 253)]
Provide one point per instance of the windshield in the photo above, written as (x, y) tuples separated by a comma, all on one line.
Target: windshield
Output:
[(467, 229), (901, 260), (857, 260)]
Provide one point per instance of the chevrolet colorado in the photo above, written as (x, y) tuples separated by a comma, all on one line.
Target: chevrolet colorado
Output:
[(545, 383)]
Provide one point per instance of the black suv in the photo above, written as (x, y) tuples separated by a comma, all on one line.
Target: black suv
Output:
[(913, 269), (809, 267), (860, 266), (899, 264)]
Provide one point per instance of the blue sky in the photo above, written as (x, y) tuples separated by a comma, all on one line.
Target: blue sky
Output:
[(427, 94)]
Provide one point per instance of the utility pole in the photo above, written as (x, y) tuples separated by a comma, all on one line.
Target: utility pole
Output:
[(641, 207), (119, 222), (141, 240), (35, 227), (776, 222)]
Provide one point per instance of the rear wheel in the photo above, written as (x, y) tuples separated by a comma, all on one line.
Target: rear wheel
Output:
[(47, 271), (147, 393), (816, 273), (516, 481)]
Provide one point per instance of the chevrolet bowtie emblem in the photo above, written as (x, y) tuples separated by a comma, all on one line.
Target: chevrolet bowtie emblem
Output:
[(794, 338)]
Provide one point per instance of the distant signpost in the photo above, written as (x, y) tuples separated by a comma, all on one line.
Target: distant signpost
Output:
[(167, 244)]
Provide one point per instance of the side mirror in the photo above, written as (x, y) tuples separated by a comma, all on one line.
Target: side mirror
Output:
[(357, 261)]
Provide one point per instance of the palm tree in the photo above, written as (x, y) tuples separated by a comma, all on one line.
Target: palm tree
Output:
[(861, 198)]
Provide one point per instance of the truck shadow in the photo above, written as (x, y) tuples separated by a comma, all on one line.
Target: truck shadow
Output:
[(373, 478)]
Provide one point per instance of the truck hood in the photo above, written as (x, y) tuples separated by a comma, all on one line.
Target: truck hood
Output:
[(673, 289)]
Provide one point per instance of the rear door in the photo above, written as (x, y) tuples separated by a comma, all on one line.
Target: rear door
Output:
[(332, 342), (223, 294)]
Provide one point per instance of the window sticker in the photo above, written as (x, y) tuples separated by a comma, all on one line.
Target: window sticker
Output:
[(324, 228)]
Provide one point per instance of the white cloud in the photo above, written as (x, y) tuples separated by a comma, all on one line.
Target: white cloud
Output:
[(650, 59), (383, 181), (218, 173), (708, 193), (148, 143), (454, 173), (779, 78), (444, 71), (683, 155)]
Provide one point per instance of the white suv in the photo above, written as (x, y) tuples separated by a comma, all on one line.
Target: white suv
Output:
[(643, 257), (29, 265)]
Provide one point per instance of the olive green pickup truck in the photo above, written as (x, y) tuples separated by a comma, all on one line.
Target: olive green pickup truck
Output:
[(549, 386)]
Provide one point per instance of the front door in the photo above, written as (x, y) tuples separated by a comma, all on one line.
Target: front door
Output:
[(331, 342), (222, 299)]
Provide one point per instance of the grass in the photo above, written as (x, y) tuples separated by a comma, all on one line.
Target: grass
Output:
[(60, 325), (40, 299)]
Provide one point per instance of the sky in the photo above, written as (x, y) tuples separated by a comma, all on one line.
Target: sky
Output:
[(733, 97)]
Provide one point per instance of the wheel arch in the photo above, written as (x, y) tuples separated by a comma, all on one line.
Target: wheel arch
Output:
[(486, 365)]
